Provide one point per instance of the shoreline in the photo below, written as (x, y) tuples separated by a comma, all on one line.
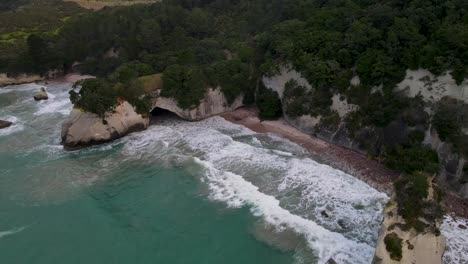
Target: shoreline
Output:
[(25, 79), (357, 165)]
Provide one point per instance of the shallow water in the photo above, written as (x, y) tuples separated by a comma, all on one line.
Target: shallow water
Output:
[(179, 192)]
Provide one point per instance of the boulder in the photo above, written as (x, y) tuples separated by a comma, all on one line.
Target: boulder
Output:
[(5, 124), (84, 129), (42, 95)]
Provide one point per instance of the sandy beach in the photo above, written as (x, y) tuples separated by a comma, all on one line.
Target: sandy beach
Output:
[(360, 166)]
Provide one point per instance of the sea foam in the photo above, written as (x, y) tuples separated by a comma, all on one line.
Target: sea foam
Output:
[(456, 232), (275, 178)]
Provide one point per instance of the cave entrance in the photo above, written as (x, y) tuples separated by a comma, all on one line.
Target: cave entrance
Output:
[(159, 115)]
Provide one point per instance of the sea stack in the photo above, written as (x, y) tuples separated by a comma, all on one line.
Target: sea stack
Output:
[(84, 129), (42, 95)]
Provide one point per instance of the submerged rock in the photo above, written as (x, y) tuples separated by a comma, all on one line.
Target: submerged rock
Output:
[(5, 124), (42, 95), (84, 129)]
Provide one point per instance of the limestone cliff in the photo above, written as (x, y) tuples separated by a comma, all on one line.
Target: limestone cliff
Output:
[(84, 129), (19, 79), (370, 140), (214, 103)]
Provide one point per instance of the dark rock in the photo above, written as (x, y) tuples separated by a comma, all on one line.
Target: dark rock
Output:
[(324, 214), (462, 226), (42, 95), (331, 261), (342, 223), (451, 166), (5, 124)]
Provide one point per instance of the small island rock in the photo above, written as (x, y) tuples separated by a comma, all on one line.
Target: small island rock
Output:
[(42, 95), (84, 129)]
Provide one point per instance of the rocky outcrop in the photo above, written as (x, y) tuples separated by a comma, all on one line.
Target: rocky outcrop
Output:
[(369, 140), (425, 247), (84, 129), (42, 95), (5, 124), (214, 103), (19, 79)]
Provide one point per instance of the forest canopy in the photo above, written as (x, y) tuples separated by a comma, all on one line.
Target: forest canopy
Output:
[(232, 43)]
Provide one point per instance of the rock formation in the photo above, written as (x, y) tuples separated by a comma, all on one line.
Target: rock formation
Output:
[(426, 247), (214, 103), (42, 95), (20, 79), (5, 124), (369, 140), (85, 129)]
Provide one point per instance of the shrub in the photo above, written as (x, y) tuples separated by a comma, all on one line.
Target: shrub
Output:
[(447, 120), (268, 103), (410, 159), (95, 95), (393, 244), (185, 84)]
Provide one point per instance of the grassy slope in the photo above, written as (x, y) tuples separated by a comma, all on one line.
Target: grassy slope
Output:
[(33, 16)]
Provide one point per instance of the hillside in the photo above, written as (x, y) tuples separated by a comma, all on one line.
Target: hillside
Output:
[(99, 4), (21, 18)]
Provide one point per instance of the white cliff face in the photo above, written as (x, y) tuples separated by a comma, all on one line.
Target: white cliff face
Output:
[(277, 82), (214, 103), (433, 88), (20, 79), (85, 129)]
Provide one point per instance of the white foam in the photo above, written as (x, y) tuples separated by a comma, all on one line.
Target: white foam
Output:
[(21, 87), (57, 103), (236, 192), (62, 106), (276, 180), (11, 232), (457, 240)]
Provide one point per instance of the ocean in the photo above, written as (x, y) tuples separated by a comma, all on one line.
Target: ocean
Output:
[(179, 192)]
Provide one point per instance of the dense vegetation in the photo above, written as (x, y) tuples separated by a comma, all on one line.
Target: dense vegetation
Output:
[(328, 41), (39, 19)]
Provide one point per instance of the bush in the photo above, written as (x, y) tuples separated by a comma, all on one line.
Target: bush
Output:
[(268, 103), (411, 193), (95, 95), (393, 244), (411, 159), (447, 120), (100, 96), (299, 100), (185, 84)]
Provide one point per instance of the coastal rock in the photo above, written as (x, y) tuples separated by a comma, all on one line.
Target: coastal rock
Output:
[(5, 124), (426, 247), (214, 103), (42, 95), (85, 129), (18, 79)]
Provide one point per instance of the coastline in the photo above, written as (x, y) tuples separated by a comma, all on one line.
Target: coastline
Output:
[(360, 166), (24, 79)]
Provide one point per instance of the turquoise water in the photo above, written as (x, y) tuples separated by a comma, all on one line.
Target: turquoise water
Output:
[(201, 192)]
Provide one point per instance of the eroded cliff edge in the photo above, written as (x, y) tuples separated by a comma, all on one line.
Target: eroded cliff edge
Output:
[(399, 243)]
